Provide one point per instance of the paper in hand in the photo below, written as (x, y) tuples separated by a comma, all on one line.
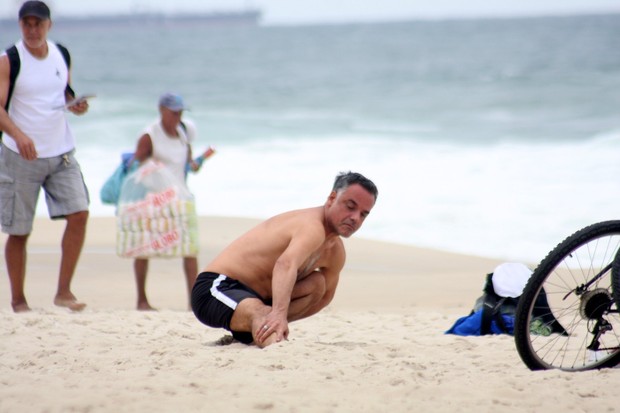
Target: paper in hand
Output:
[(75, 101)]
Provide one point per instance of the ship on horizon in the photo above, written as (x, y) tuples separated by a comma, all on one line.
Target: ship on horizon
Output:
[(246, 17)]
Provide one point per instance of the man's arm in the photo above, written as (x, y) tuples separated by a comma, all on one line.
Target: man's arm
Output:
[(25, 145), (4, 92), (331, 273), (80, 107), (144, 150), (303, 243), (305, 240), (5, 71)]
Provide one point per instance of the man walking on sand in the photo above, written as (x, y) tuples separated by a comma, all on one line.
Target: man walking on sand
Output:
[(37, 152), (284, 269)]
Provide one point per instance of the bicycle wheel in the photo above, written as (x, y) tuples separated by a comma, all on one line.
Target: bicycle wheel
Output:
[(566, 317)]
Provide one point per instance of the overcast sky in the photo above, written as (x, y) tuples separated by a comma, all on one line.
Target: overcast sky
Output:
[(311, 11)]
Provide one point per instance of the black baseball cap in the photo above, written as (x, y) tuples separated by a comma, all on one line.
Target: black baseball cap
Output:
[(34, 9)]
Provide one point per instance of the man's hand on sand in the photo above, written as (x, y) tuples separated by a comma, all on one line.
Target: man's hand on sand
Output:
[(272, 329)]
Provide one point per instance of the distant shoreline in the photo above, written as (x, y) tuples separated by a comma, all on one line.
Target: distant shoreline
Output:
[(250, 17), (254, 17)]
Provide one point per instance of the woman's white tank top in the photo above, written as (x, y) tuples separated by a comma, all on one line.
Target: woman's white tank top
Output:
[(172, 151)]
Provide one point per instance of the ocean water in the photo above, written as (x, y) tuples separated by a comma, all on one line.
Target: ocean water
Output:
[(490, 137)]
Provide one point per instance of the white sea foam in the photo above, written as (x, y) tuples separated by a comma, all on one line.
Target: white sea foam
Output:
[(511, 200)]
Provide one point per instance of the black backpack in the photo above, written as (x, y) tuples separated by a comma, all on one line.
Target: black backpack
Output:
[(15, 65), (494, 306)]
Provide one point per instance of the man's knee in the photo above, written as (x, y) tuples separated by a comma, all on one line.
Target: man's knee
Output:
[(247, 310), (78, 218), (17, 240), (313, 287)]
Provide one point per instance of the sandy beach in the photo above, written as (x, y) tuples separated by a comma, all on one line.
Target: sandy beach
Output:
[(379, 347)]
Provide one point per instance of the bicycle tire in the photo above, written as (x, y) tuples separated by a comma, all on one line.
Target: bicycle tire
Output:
[(615, 280), (561, 333)]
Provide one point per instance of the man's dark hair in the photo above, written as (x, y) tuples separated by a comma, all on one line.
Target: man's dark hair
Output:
[(346, 179)]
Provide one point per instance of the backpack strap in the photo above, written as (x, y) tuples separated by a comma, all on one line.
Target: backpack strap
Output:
[(497, 316), (185, 139), (14, 66), (183, 136), (488, 308), (491, 312), (65, 55), (491, 308), (489, 304)]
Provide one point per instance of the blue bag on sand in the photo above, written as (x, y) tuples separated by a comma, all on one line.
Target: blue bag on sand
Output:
[(111, 188), (471, 325)]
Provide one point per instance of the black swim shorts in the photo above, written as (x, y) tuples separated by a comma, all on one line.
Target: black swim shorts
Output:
[(215, 298)]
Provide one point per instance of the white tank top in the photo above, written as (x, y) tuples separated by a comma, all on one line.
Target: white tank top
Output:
[(39, 91), (172, 150)]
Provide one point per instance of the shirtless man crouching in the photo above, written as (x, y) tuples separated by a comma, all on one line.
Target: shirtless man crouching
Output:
[(284, 269)]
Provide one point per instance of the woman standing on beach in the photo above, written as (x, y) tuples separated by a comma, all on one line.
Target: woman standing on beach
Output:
[(168, 141)]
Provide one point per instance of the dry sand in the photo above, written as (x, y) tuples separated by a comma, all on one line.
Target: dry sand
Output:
[(379, 347)]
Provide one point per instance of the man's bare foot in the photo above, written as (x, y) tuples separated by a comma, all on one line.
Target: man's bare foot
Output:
[(21, 307), (71, 303), (145, 307)]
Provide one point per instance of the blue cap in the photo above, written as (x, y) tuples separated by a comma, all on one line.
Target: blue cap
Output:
[(172, 101)]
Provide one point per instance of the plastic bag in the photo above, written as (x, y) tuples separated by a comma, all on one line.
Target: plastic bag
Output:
[(156, 215)]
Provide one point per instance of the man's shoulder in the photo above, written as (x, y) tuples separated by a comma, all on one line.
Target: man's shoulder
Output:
[(188, 122), (334, 254), (9, 53), (56, 44), (189, 127), (4, 52), (296, 224), (63, 51), (307, 217), (336, 244)]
